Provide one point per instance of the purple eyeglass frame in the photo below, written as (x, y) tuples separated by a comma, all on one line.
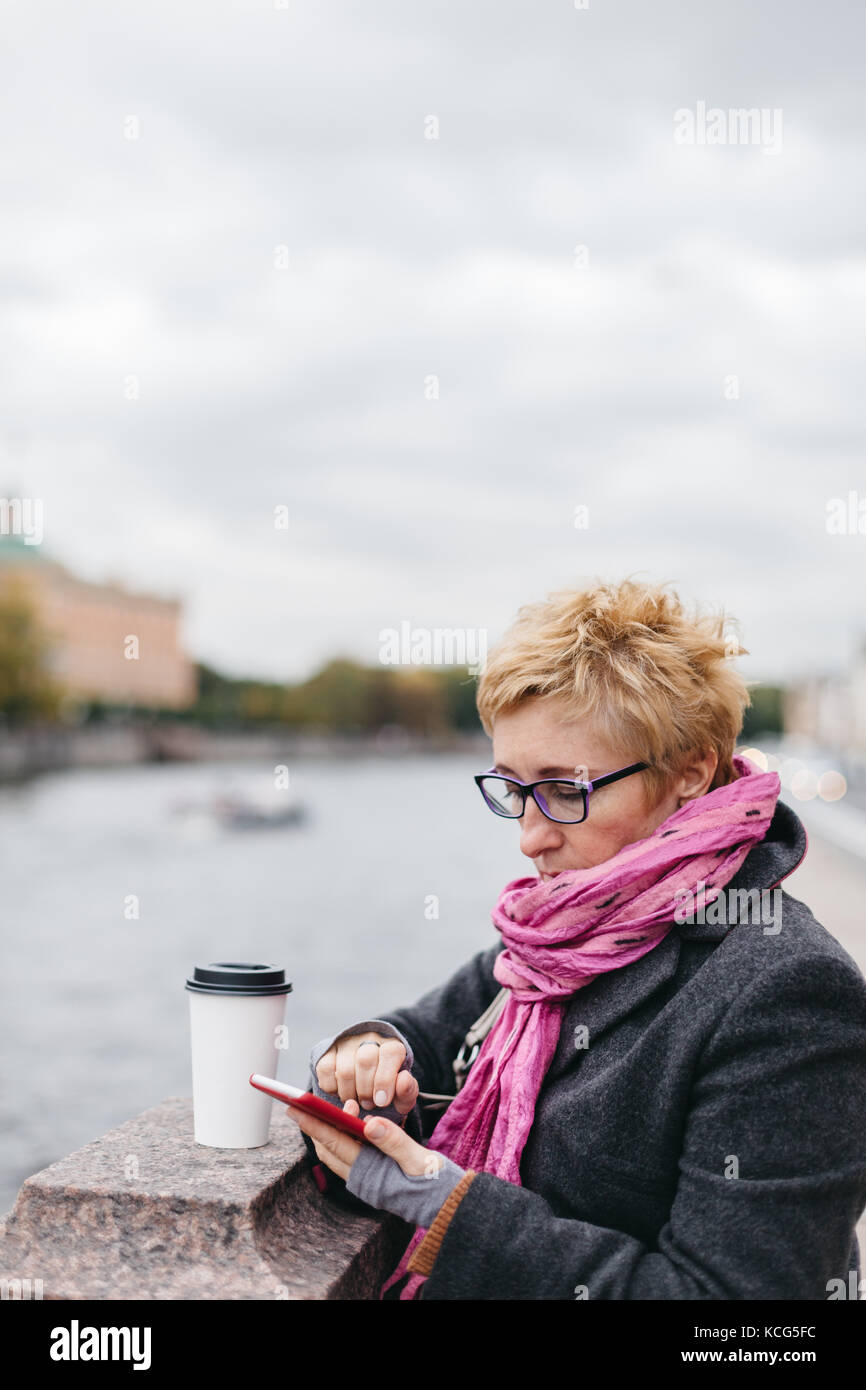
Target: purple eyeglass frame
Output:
[(528, 788)]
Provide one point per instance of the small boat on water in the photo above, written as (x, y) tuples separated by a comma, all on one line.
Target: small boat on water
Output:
[(233, 811), (240, 813)]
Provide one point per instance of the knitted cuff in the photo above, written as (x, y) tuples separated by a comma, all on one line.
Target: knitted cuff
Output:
[(424, 1255)]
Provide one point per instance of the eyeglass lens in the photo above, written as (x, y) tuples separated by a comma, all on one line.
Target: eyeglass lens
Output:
[(561, 801)]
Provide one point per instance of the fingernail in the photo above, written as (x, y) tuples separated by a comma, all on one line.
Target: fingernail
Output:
[(381, 1098), (368, 1104), (375, 1129)]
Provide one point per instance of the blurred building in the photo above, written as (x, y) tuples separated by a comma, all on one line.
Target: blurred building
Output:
[(830, 710), (92, 627)]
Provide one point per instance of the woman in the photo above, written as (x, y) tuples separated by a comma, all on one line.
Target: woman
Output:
[(672, 1102)]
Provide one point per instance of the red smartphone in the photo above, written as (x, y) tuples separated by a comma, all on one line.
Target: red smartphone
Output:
[(313, 1105)]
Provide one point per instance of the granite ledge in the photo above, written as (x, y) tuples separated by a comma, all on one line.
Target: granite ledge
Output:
[(146, 1213)]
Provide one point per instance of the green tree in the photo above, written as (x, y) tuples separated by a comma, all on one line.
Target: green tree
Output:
[(346, 697), (27, 689), (764, 715), (458, 687), (336, 697)]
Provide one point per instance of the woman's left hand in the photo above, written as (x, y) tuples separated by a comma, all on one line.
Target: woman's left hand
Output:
[(338, 1150)]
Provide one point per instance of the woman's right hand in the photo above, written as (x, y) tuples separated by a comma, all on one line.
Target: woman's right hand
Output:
[(369, 1075)]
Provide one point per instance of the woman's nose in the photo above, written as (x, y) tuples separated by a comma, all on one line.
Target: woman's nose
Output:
[(537, 831)]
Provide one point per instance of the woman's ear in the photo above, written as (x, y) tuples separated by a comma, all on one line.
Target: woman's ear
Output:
[(696, 777)]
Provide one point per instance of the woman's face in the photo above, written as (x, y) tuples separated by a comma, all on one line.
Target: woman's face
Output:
[(541, 739)]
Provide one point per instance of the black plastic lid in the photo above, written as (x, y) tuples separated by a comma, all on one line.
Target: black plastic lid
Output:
[(238, 977)]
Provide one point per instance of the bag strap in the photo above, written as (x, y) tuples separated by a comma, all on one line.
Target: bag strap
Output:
[(469, 1049)]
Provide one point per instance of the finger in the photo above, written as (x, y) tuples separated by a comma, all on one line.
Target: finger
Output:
[(366, 1063), (413, 1158), (351, 1107), (330, 1160), (345, 1069), (392, 1055), (405, 1092), (334, 1147), (326, 1070)]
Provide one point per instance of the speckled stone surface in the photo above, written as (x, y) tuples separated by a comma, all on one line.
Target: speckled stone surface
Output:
[(145, 1212)]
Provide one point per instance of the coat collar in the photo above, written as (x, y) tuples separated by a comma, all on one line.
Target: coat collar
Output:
[(764, 867), (615, 994)]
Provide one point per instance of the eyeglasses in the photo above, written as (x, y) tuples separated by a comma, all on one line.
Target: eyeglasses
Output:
[(561, 800)]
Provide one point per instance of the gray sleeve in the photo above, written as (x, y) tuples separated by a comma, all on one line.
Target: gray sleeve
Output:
[(376, 1179)]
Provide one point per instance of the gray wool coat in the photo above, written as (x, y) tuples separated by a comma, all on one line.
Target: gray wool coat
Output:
[(701, 1130)]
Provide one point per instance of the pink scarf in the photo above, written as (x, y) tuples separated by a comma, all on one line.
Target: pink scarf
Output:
[(561, 934)]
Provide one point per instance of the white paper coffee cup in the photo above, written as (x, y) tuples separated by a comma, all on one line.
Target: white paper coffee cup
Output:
[(235, 1009)]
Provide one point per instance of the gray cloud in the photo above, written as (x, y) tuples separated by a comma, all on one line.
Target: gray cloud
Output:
[(558, 385)]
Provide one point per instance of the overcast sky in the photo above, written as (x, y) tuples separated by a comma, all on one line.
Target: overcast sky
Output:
[(693, 377)]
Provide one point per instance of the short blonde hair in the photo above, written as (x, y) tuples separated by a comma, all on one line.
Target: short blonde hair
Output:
[(658, 680)]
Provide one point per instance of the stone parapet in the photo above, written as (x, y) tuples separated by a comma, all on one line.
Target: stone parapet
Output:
[(147, 1213)]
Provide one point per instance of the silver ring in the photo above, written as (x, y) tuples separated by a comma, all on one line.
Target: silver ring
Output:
[(368, 1042)]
